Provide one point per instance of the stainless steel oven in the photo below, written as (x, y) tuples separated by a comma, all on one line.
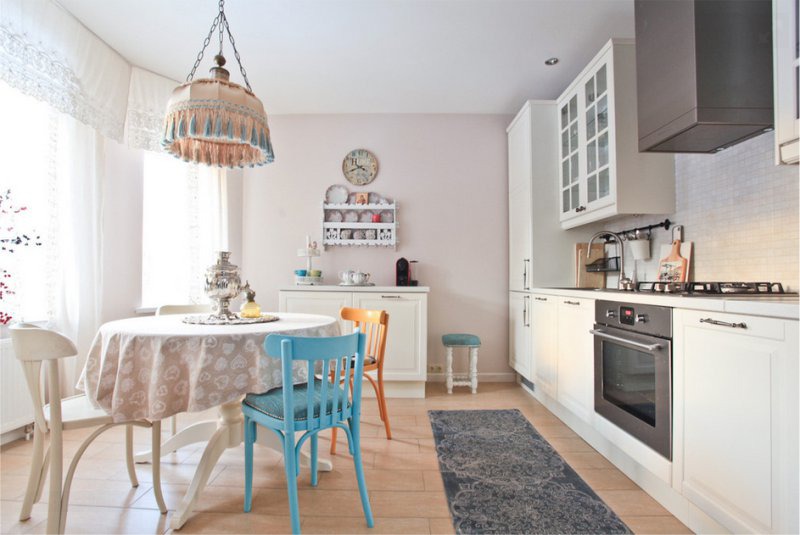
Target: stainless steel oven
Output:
[(633, 370)]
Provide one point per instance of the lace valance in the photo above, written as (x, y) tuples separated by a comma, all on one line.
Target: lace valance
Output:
[(147, 102), (46, 53)]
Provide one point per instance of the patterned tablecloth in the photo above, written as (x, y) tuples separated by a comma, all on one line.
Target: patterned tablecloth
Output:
[(154, 367)]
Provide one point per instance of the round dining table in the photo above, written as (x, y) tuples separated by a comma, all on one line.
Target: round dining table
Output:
[(157, 366)]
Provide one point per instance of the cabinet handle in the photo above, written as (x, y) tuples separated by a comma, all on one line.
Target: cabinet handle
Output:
[(391, 297), (580, 209), (540, 298), (576, 303), (647, 347), (525, 318), (525, 273), (741, 325)]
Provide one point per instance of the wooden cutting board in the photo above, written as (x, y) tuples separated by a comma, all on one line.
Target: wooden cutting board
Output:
[(674, 263), (584, 279)]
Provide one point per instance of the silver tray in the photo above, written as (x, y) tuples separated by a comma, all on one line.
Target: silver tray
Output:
[(351, 284), (202, 319)]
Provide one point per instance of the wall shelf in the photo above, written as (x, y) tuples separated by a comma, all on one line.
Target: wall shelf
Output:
[(359, 233)]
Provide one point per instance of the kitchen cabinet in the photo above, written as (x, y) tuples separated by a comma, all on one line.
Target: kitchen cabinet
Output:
[(405, 369), (575, 377), (736, 418), (519, 334), (544, 343), (786, 67), (601, 173), (520, 224)]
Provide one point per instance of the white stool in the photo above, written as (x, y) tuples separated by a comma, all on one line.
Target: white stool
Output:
[(472, 342)]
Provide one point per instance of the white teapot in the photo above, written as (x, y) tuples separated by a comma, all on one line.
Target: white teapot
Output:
[(360, 278), (346, 276)]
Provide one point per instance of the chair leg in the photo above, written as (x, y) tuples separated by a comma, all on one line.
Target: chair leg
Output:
[(129, 455), (156, 467), (314, 452), (173, 425), (333, 441), (249, 426), (289, 461), (36, 477), (54, 511), (362, 484), (382, 404)]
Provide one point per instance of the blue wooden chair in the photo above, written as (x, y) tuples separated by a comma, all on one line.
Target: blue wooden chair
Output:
[(323, 405)]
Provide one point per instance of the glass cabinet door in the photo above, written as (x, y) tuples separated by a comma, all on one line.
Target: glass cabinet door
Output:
[(570, 165), (597, 136)]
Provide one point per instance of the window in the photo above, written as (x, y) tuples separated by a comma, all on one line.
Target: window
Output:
[(180, 229), (27, 206)]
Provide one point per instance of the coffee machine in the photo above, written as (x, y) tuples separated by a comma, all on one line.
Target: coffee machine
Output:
[(403, 273)]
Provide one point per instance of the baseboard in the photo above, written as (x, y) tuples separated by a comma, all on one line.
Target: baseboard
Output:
[(397, 389), (11, 436), (502, 377)]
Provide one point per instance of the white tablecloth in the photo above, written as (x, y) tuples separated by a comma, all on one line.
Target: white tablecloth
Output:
[(154, 367)]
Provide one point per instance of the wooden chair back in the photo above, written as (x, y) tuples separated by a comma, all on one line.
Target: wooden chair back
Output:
[(374, 324), (34, 345), (336, 349)]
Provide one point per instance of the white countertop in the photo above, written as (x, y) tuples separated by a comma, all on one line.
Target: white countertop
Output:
[(777, 306), (366, 289)]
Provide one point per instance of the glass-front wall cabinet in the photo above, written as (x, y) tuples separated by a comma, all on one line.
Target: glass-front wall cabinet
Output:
[(586, 139)]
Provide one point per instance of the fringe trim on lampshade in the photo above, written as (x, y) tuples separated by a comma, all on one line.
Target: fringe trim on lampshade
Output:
[(217, 133)]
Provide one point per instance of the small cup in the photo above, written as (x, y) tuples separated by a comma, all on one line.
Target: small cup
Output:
[(376, 218), (315, 273), (300, 272)]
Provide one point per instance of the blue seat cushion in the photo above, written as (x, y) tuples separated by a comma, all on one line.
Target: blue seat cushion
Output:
[(461, 340), (271, 403)]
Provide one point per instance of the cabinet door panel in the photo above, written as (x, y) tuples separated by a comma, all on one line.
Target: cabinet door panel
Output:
[(576, 356), (407, 338), (325, 303), (519, 335), (519, 204), (544, 321)]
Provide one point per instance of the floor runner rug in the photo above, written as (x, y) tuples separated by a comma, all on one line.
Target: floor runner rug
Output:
[(501, 476)]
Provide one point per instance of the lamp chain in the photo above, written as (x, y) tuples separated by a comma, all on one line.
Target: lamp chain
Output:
[(222, 21)]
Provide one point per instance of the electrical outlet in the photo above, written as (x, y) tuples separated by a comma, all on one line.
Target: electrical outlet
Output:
[(435, 368)]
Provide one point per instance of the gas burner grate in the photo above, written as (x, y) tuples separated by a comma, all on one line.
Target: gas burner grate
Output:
[(710, 288)]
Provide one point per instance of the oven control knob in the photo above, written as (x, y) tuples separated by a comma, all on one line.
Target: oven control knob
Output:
[(611, 314), (641, 318)]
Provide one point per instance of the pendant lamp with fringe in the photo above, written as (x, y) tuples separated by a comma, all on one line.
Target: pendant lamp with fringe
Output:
[(213, 121)]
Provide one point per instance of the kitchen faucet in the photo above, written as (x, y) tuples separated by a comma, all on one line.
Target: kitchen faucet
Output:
[(624, 282)]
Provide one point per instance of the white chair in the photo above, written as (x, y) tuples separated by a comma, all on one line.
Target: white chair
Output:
[(180, 309), (33, 346)]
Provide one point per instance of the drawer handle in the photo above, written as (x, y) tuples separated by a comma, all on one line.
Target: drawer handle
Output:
[(391, 297), (580, 209), (576, 303), (741, 325), (540, 298)]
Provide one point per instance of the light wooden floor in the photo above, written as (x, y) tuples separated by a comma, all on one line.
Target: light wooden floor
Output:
[(402, 475)]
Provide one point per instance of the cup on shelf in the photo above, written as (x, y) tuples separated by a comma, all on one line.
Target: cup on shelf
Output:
[(315, 273), (300, 272), (376, 218)]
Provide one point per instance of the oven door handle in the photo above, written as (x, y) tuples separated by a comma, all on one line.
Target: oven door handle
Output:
[(604, 334)]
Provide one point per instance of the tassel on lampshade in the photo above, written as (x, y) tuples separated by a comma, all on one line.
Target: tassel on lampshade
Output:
[(214, 121)]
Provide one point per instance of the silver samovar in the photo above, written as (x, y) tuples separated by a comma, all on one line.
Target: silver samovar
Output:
[(222, 285)]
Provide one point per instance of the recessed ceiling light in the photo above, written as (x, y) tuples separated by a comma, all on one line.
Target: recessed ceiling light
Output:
[(550, 62)]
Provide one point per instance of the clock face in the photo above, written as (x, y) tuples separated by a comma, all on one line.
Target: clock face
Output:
[(360, 167)]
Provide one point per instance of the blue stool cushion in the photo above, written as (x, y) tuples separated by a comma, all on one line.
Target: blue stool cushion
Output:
[(271, 403), (461, 340)]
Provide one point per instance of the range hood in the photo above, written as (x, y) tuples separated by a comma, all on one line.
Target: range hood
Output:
[(703, 73)]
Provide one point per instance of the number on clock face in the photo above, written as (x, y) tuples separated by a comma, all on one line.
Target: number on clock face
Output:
[(360, 167)]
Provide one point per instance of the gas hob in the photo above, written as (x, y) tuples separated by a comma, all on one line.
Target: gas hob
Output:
[(710, 289)]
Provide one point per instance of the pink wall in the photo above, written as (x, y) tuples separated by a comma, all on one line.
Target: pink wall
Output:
[(449, 175)]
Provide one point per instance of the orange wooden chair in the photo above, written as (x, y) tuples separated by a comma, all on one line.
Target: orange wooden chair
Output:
[(374, 324)]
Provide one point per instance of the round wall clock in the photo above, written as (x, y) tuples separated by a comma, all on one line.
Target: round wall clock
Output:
[(360, 167)]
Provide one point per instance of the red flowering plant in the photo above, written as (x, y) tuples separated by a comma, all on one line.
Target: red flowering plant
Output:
[(11, 239)]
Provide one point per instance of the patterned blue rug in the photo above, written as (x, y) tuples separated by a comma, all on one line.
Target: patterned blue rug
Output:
[(501, 476)]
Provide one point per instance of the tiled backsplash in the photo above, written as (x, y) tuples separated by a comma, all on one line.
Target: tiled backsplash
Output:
[(739, 209)]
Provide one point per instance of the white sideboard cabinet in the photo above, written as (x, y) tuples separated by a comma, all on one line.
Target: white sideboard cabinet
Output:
[(405, 368)]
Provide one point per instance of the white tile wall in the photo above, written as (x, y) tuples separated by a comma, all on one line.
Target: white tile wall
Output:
[(741, 212)]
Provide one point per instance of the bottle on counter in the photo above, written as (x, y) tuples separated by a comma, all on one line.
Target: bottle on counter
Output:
[(250, 309)]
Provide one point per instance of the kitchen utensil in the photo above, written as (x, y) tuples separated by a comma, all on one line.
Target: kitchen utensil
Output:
[(584, 279), (673, 267)]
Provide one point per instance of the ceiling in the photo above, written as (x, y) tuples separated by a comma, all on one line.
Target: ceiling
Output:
[(372, 56)]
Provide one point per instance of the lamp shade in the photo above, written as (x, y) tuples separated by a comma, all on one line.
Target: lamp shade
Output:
[(216, 122)]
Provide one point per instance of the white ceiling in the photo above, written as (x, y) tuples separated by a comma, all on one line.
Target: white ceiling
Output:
[(372, 56)]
